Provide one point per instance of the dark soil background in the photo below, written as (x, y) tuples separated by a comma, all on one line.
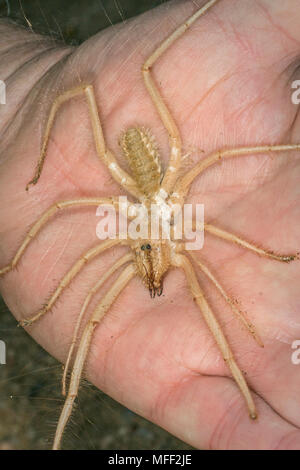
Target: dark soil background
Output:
[(30, 382)]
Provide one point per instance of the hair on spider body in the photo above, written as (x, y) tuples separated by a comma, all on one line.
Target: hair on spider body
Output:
[(141, 151)]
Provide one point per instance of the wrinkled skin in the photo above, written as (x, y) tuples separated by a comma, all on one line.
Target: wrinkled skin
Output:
[(228, 83)]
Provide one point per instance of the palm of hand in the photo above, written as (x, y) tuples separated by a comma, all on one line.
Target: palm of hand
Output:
[(157, 356)]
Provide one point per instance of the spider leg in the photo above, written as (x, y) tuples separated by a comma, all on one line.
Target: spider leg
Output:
[(249, 246), (86, 303), (69, 276), (104, 154), (214, 326), (240, 315), (183, 185), (84, 347), (46, 216), (165, 115)]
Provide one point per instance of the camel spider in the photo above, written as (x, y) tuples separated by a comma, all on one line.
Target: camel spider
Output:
[(149, 259)]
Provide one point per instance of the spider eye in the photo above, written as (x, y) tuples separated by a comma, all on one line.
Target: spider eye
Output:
[(146, 247)]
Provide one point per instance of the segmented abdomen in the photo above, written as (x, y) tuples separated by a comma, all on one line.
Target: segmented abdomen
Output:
[(141, 151)]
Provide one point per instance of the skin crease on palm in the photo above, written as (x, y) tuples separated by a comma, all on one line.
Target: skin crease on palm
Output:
[(227, 82)]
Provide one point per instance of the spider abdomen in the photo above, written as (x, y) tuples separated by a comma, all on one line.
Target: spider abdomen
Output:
[(142, 155)]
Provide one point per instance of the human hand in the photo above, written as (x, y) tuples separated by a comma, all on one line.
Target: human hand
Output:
[(227, 83)]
